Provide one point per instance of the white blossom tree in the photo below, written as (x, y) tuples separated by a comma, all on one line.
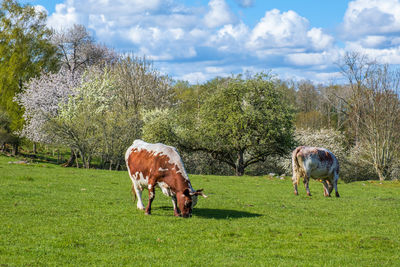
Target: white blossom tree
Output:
[(80, 117), (41, 100)]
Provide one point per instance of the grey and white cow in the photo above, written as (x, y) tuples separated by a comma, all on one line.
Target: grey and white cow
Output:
[(317, 163)]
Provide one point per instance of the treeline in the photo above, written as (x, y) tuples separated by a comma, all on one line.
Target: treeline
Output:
[(64, 89)]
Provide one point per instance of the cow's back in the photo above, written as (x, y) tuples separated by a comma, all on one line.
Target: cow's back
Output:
[(317, 162)]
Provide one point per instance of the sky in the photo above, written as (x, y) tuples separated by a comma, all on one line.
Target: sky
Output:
[(198, 40)]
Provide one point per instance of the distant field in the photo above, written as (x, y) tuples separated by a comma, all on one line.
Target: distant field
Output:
[(57, 216)]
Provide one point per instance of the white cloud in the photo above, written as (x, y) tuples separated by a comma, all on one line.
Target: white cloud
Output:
[(373, 41), (161, 44), (319, 40), (371, 17), (230, 38), (212, 69), (285, 33), (219, 14), (194, 77), (389, 55), (277, 29), (65, 16), (245, 3), (323, 59), (372, 27), (137, 34)]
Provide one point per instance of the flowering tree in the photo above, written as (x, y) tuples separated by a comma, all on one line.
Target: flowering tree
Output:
[(41, 100), (78, 119)]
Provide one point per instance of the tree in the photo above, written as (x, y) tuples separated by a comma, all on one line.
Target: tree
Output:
[(42, 99), (333, 105), (239, 121), (94, 114), (380, 119), (25, 50), (77, 49), (78, 120), (356, 68), (374, 109), (6, 135), (308, 97), (141, 85)]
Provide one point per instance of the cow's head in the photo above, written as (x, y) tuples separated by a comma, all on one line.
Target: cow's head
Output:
[(187, 200)]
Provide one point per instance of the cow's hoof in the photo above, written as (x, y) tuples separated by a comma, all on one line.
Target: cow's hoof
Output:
[(296, 193), (309, 194), (147, 213), (337, 195)]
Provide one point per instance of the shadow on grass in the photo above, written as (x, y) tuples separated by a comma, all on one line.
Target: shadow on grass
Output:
[(223, 214)]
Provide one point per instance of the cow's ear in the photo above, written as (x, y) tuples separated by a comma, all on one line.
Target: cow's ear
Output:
[(198, 193), (186, 192)]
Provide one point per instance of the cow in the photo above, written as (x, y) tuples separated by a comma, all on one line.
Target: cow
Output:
[(151, 165), (317, 163)]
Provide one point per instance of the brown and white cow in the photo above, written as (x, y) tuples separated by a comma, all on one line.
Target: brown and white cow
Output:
[(317, 163), (151, 165)]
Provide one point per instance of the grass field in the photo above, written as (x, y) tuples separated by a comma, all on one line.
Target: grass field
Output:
[(57, 216)]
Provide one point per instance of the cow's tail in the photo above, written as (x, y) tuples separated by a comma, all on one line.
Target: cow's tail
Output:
[(128, 152), (296, 165)]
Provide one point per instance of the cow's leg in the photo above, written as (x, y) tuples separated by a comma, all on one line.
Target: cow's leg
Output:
[(327, 193), (336, 178), (330, 186), (306, 183), (176, 211), (295, 180), (151, 198), (138, 192)]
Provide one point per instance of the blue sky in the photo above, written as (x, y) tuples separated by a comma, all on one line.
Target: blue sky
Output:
[(200, 39)]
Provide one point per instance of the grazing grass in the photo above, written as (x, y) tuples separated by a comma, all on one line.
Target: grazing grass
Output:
[(57, 216)]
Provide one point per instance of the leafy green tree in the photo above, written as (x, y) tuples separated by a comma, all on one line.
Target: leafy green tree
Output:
[(239, 121), (25, 50), (6, 135), (245, 121)]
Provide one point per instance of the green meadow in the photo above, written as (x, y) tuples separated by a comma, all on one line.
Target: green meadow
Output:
[(55, 216)]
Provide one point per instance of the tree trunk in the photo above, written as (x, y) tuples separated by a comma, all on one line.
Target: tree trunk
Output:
[(76, 161), (111, 164), (34, 148), (239, 171), (71, 159), (87, 162), (381, 177), (380, 173), (14, 149)]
